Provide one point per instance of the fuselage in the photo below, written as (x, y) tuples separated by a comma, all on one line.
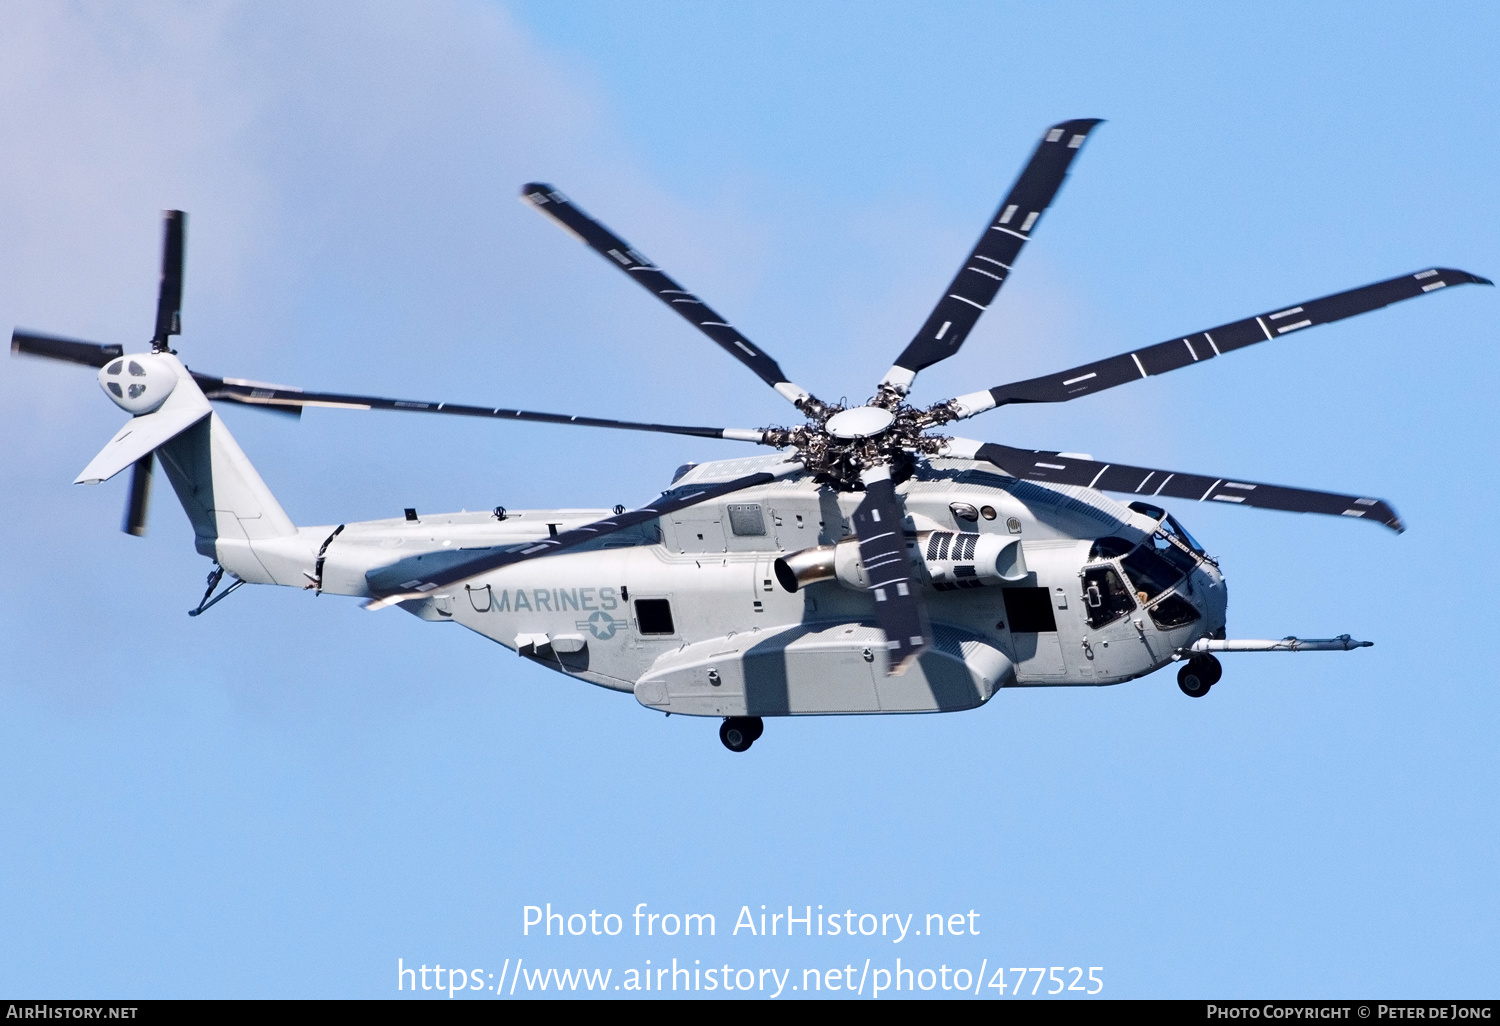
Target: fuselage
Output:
[(689, 614)]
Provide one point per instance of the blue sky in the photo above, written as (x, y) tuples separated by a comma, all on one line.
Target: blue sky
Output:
[(285, 796)]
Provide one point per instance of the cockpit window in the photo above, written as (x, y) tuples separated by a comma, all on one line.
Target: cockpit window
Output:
[(1182, 560), (1108, 548), (1145, 509), (1150, 573), (1105, 597), (1173, 527)]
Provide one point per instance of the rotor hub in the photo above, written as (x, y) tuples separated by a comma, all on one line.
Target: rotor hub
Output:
[(860, 422)]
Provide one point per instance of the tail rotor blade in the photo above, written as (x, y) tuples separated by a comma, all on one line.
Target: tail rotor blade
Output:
[(169, 300), (899, 609), (90, 354), (140, 496)]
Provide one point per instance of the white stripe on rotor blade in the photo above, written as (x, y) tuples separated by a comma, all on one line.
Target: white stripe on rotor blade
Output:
[(1054, 135), (1010, 212), (1084, 377), (1075, 142), (1142, 486), (1163, 484), (1285, 313), (1210, 489), (1099, 475), (1237, 484), (1051, 466), (1263, 327), (1212, 343), (1007, 231), (987, 274), (1424, 274), (943, 330), (1434, 285), (1353, 513), (1229, 498), (1191, 351), (1030, 220), (1293, 327), (991, 260), (1138, 365), (971, 302)]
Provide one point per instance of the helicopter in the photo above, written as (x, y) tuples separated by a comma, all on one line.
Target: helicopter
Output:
[(869, 564)]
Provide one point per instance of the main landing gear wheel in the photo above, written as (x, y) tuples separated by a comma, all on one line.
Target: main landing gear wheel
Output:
[(1198, 675), (740, 732)]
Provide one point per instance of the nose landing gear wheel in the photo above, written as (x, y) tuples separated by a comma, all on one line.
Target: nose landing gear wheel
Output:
[(1198, 675), (740, 732)]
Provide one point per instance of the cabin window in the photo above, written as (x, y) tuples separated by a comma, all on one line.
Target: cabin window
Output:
[(1173, 611), (654, 616), (1029, 610), (1105, 597)]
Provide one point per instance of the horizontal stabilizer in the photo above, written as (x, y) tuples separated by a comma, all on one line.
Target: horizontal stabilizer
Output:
[(142, 435)]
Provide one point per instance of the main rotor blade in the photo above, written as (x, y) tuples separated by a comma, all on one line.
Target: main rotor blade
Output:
[(255, 393), (985, 270), (899, 609), (1205, 345), (408, 580), (140, 496), (1055, 468), (169, 298), (90, 354), (651, 278)]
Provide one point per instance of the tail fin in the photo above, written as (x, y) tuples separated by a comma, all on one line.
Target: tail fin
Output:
[(228, 504)]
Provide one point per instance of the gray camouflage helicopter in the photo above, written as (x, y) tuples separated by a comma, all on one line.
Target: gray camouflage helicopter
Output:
[(881, 567)]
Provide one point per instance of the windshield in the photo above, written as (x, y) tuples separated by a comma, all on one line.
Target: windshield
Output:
[(1150, 573)]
